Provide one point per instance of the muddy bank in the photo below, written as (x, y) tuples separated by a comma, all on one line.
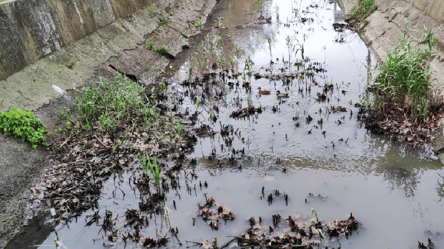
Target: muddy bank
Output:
[(118, 47)]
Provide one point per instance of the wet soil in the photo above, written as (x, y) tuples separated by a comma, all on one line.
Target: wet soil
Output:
[(19, 171)]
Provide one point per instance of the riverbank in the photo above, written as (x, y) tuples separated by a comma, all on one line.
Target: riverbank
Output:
[(119, 46), (383, 29)]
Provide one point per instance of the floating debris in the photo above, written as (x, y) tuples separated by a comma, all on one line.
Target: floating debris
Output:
[(247, 111), (300, 233), (212, 211)]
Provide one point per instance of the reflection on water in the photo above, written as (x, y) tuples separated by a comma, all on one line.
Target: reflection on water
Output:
[(393, 190), (387, 218)]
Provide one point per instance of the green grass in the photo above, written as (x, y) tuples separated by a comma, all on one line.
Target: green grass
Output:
[(162, 49), (405, 77), (23, 124), (151, 167), (109, 103), (150, 46), (198, 24), (364, 9)]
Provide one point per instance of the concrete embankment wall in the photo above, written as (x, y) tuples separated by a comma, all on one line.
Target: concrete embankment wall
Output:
[(432, 8), (72, 42), (32, 29), (385, 27)]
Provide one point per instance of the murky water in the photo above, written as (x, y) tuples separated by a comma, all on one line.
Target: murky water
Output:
[(394, 191)]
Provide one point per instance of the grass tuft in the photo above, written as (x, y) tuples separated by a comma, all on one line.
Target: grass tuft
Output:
[(406, 78), (364, 9)]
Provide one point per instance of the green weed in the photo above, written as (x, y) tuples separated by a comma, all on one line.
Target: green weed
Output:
[(179, 128), (150, 46), (198, 24), (162, 49), (406, 76), (364, 9), (23, 124), (164, 21), (110, 103), (151, 167), (163, 87)]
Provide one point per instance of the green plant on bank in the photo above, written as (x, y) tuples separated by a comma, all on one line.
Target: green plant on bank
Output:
[(315, 213), (219, 22), (151, 167), (23, 124), (198, 24), (108, 104), (164, 21), (150, 46), (406, 76), (117, 145), (364, 9), (162, 49), (163, 87), (59, 244), (179, 128)]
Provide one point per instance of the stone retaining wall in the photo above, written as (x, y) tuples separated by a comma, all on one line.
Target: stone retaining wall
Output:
[(32, 29), (432, 8)]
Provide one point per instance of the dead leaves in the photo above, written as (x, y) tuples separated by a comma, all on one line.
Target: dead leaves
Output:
[(247, 111), (212, 211), (300, 232), (400, 124)]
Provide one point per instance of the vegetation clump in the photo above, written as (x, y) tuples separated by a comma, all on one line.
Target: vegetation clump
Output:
[(406, 76), (364, 9), (23, 124), (404, 103)]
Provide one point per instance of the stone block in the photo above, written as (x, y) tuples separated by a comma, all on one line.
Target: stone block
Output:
[(420, 4), (436, 10)]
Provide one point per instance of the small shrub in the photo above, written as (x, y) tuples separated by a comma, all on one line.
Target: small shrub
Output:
[(23, 124)]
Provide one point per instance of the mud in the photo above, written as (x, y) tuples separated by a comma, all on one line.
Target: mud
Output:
[(21, 166)]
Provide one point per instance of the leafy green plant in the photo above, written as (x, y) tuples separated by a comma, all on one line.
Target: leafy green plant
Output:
[(23, 124), (364, 9)]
